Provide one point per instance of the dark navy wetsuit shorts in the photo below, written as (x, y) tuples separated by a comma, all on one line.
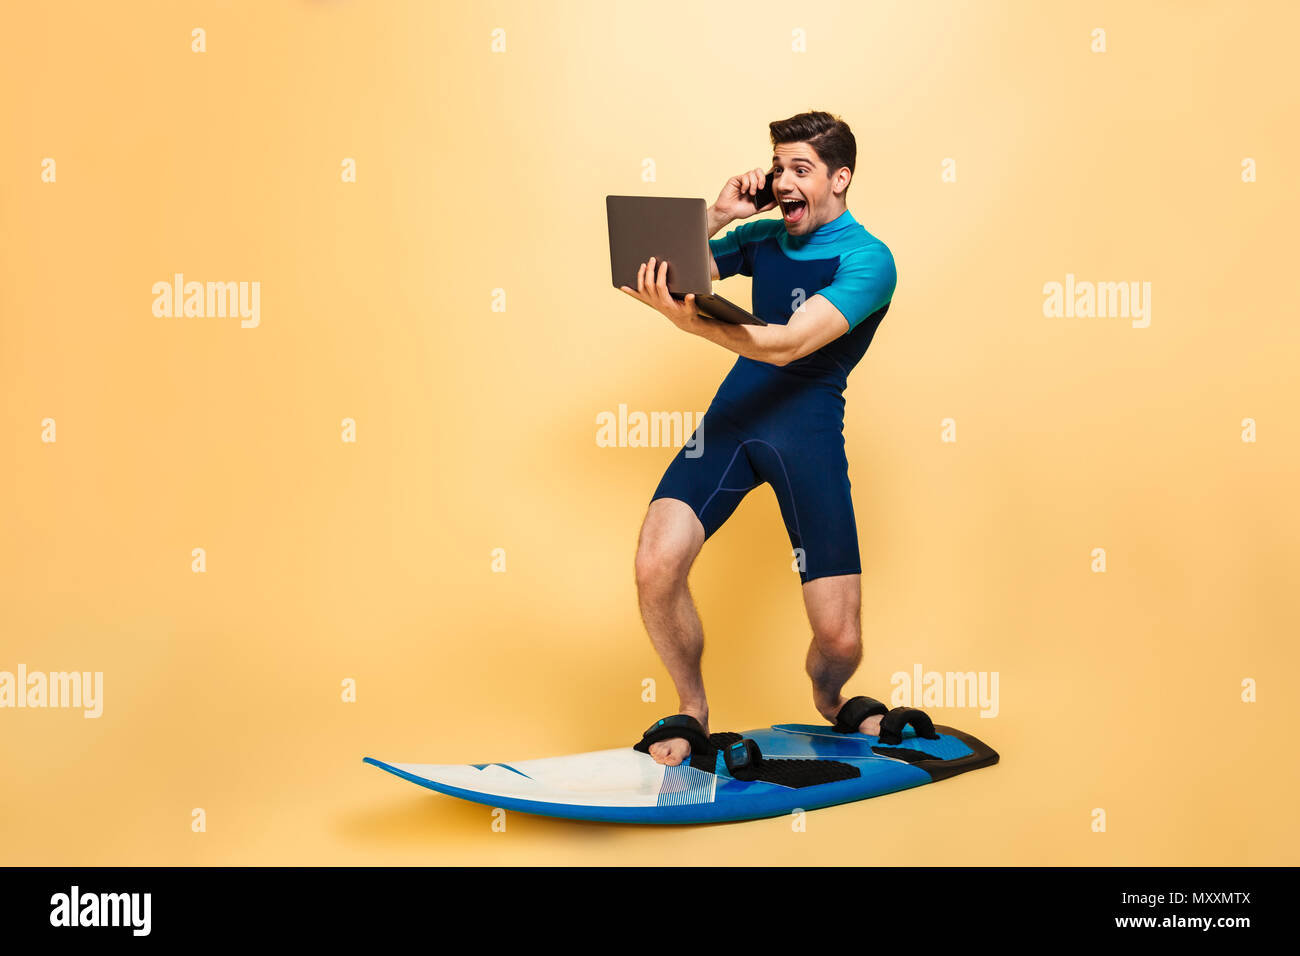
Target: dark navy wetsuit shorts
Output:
[(795, 444)]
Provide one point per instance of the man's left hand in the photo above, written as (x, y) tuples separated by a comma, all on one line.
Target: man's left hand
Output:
[(653, 291)]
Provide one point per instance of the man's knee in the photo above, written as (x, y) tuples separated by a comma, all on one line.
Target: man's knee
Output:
[(670, 540), (835, 612), (840, 640)]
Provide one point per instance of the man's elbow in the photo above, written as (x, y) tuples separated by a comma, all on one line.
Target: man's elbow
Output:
[(782, 355)]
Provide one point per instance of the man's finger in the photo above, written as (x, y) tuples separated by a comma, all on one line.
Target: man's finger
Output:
[(661, 284), (652, 294)]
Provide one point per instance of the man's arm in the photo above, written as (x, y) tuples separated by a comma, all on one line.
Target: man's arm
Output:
[(816, 323), (717, 221)]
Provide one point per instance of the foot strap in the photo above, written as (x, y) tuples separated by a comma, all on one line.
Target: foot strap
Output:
[(855, 711), (743, 759), (687, 727), (891, 728)]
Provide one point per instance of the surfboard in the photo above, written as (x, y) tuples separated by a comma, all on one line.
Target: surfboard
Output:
[(626, 786)]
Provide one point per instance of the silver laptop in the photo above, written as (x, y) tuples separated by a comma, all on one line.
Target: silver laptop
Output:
[(673, 229)]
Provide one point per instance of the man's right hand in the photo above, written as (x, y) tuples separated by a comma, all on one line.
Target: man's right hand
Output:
[(736, 201)]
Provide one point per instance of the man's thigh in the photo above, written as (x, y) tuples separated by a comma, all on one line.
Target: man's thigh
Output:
[(712, 482), (670, 530), (810, 477)]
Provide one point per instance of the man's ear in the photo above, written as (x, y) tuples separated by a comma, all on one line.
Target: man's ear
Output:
[(842, 179)]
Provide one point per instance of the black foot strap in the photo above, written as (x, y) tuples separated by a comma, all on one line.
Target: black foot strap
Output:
[(855, 711), (743, 759), (891, 728), (703, 750)]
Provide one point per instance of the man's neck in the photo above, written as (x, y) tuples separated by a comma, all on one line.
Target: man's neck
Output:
[(834, 214)]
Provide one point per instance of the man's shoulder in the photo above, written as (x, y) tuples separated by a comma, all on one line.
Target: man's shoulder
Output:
[(862, 250), (865, 276), (859, 241)]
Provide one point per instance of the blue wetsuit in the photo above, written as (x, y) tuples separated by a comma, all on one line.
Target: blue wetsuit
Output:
[(784, 425)]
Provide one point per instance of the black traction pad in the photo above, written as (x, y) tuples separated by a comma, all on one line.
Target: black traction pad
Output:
[(903, 753), (798, 773), (785, 773)]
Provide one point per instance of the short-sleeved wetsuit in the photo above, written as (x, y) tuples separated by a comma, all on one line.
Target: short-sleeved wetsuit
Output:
[(784, 425)]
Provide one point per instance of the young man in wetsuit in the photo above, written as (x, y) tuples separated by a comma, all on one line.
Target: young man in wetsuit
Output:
[(823, 283)]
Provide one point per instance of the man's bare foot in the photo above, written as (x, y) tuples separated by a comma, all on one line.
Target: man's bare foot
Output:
[(869, 726), (673, 750)]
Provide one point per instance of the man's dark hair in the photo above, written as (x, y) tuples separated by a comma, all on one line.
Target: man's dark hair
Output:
[(827, 134)]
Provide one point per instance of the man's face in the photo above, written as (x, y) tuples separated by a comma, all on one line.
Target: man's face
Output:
[(802, 185)]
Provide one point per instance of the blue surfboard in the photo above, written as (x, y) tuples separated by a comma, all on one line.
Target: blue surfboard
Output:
[(627, 786)]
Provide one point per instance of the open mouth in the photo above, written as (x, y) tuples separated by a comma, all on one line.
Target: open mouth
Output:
[(793, 210)]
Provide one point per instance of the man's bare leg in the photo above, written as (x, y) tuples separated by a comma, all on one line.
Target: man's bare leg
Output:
[(671, 537), (835, 612)]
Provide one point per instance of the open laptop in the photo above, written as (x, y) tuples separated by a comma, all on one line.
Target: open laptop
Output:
[(676, 230)]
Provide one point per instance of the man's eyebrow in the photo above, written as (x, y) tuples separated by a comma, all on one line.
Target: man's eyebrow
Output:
[(793, 159)]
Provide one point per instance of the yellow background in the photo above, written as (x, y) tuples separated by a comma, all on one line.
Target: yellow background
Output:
[(476, 428)]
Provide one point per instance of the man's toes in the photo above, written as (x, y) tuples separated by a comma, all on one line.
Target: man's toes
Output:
[(681, 749), (670, 752)]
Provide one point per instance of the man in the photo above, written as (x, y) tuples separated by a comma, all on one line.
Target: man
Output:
[(824, 284)]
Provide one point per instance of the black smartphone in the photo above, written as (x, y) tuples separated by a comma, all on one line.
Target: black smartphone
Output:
[(764, 194)]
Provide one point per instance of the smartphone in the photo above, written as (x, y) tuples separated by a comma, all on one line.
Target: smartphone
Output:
[(764, 194)]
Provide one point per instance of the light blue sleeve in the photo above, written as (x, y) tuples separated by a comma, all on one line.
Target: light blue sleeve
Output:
[(730, 252), (864, 283)]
